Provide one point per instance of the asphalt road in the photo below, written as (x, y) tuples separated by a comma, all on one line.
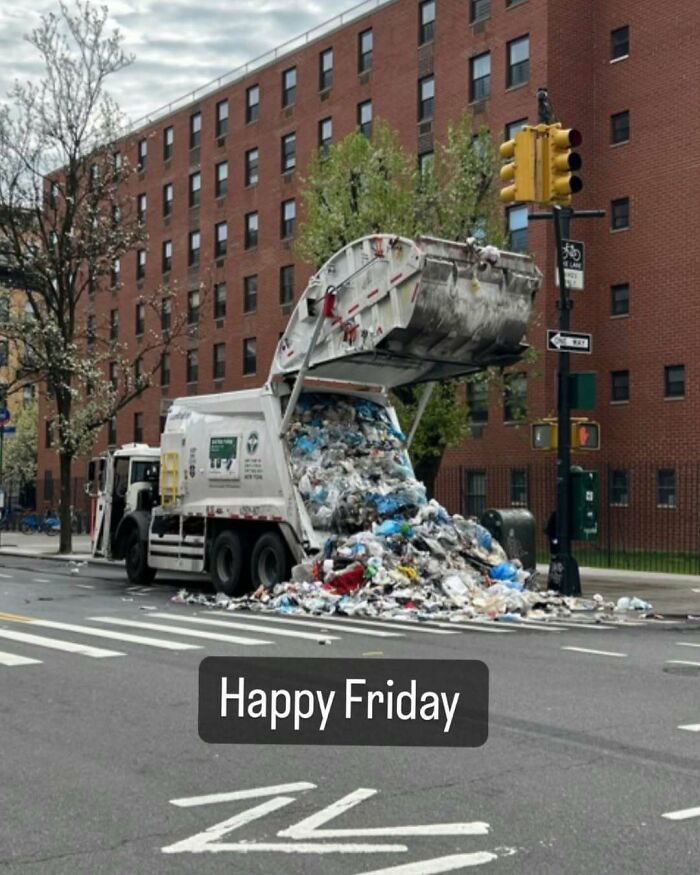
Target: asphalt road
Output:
[(102, 769)]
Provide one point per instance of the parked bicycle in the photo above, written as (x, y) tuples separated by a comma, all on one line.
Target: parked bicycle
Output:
[(35, 523)]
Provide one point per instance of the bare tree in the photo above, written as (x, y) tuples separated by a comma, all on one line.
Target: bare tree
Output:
[(66, 219)]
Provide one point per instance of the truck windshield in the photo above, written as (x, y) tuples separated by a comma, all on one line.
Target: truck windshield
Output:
[(144, 472)]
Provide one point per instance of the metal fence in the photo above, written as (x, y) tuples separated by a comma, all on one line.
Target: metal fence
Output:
[(649, 514), (19, 502)]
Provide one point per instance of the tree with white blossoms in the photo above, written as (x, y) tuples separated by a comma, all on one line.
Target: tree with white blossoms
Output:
[(19, 461), (66, 219)]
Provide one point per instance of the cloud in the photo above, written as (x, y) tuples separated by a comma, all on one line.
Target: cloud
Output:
[(178, 46)]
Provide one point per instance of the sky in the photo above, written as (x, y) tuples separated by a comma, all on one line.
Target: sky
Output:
[(178, 45)]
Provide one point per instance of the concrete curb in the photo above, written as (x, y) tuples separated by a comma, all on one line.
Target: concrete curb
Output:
[(60, 557)]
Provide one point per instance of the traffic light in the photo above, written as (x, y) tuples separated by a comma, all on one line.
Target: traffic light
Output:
[(519, 172), (561, 182), (585, 436), (544, 435)]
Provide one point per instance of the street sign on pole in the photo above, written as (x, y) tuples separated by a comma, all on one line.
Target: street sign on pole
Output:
[(572, 254), (569, 341), (4, 415)]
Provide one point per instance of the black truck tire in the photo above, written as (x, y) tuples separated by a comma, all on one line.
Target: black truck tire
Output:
[(136, 559), (269, 563), (227, 563)]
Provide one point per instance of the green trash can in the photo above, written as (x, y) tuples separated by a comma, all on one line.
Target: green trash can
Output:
[(514, 529)]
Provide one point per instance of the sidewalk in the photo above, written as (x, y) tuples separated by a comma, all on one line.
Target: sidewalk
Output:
[(670, 594)]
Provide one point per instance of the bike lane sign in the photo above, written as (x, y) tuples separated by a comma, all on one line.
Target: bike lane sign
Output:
[(572, 251)]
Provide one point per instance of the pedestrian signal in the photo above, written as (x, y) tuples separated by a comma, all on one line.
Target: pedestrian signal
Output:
[(585, 436)]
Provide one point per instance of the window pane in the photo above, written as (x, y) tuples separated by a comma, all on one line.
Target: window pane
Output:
[(674, 381), (620, 385), (475, 493), (620, 42), (620, 300), (427, 22), (620, 127), (478, 401), (666, 487), (620, 214), (518, 61), (480, 9), (619, 487), (517, 228), (518, 487), (249, 355), (480, 77), (250, 293), (515, 397)]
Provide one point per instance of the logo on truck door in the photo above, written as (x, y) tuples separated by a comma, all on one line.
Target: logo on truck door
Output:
[(252, 443)]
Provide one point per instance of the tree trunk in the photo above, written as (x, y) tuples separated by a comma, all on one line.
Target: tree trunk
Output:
[(427, 471), (66, 542)]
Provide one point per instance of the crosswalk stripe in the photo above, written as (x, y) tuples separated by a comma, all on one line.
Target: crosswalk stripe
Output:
[(686, 644), (317, 624), (177, 630), (566, 624), (56, 644), (595, 652), (247, 627), (526, 625), (13, 659), (691, 727), (473, 625), (683, 662), (387, 621), (116, 636)]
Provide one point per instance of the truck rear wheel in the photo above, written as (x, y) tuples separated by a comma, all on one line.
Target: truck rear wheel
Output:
[(227, 563), (269, 563), (136, 558)]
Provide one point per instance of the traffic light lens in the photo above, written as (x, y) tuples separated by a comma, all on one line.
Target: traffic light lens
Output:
[(574, 161), (575, 138), (575, 185)]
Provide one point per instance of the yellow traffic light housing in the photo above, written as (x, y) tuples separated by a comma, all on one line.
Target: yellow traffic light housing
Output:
[(544, 435), (585, 435), (519, 172), (560, 181)]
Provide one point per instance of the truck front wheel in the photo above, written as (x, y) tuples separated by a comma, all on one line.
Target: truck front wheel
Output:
[(269, 564), (136, 557), (227, 563)]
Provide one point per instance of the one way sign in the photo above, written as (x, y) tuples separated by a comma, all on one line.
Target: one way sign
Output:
[(569, 341)]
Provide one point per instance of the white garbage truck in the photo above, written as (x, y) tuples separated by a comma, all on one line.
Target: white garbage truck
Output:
[(218, 496)]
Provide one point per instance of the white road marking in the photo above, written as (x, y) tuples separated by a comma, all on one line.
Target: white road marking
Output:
[(41, 580), (473, 625), (6, 576), (85, 585), (696, 590), (686, 644), (691, 727), (116, 636), (616, 624), (13, 659), (686, 814), (682, 662), (246, 627), (538, 624), (192, 633), (55, 644), (439, 864), (411, 627), (595, 652), (318, 624), (235, 795), (563, 624)]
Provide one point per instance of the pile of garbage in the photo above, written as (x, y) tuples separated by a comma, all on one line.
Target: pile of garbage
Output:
[(389, 552)]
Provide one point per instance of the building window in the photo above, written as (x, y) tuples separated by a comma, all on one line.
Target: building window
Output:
[(250, 293), (289, 158), (48, 434), (219, 361), (251, 230), (139, 318), (220, 239), (479, 9), (221, 179), (166, 310), (518, 487), (286, 285), (219, 300), (195, 129), (112, 431), (426, 98), (325, 69), (140, 264), (192, 366), (195, 188), (480, 78), (193, 307), (620, 214), (289, 212), (426, 22), (619, 385), (365, 44), (117, 164), (666, 487), (478, 401), (142, 154), (252, 103), (114, 324), (517, 229), (475, 493), (620, 299), (138, 428), (251, 167), (325, 135), (221, 118), (249, 355), (518, 70), (512, 128), (619, 487), (620, 127), (193, 244), (167, 198), (167, 255), (289, 87), (141, 203), (364, 118), (168, 141), (619, 42), (113, 376), (114, 273), (674, 381), (515, 397)]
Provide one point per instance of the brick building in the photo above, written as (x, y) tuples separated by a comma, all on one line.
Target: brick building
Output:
[(219, 186)]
